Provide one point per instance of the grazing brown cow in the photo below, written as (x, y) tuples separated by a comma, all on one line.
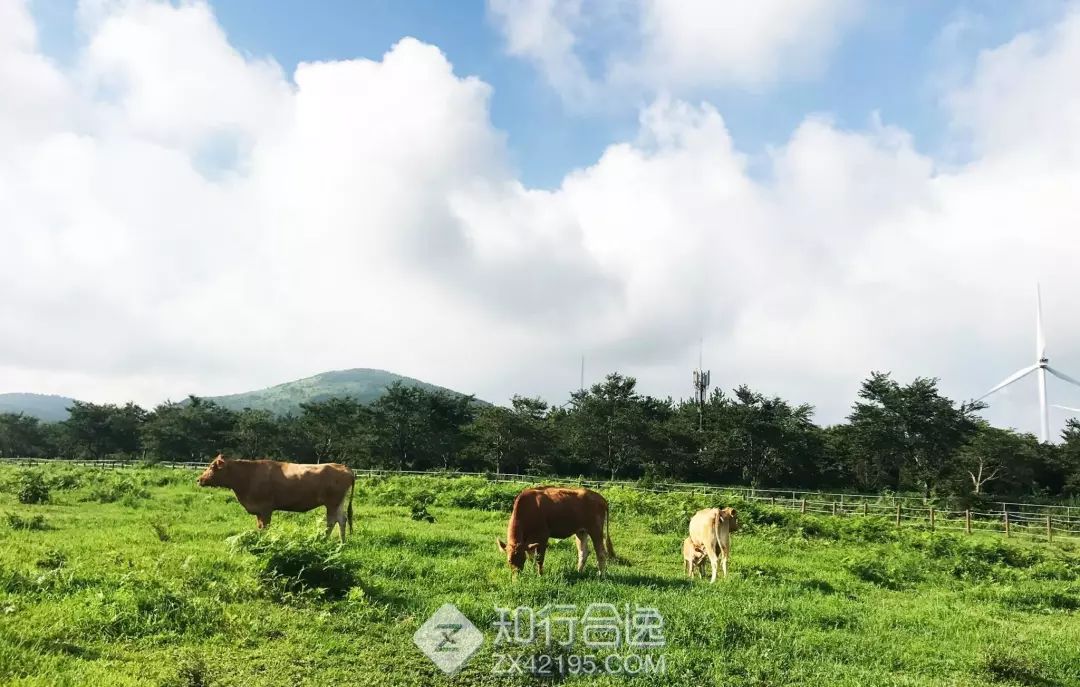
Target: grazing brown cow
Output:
[(710, 530), (264, 486), (541, 513), (693, 556)]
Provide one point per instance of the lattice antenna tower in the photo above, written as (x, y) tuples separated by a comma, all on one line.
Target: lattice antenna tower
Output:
[(702, 379)]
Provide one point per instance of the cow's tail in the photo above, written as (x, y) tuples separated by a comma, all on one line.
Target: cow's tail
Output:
[(607, 536), (352, 490), (716, 528)]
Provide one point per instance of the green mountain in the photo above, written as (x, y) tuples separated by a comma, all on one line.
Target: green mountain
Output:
[(362, 384), (43, 407)]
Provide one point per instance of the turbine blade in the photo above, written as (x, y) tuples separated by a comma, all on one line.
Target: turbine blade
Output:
[(1040, 338), (1016, 376), (1071, 410), (1062, 375)]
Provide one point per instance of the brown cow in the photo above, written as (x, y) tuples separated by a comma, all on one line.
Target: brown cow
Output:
[(541, 513), (264, 486), (710, 530)]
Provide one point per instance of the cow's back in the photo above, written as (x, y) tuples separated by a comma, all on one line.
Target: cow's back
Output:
[(703, 528), (566, 512), (300, 487)]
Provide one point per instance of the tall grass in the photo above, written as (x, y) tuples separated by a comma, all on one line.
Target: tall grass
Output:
[(138, 577)]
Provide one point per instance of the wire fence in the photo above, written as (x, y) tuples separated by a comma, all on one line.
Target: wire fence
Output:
[(1045, 522)]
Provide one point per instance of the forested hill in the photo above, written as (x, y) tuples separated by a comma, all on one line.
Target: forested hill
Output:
[(361, 384), (44, 407)]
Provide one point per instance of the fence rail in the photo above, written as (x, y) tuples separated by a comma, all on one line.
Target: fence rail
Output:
[(1045, 522)]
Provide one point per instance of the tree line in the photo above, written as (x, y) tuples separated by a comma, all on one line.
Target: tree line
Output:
[(898, 437)]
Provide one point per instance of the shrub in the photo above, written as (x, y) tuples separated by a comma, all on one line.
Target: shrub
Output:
[(1055, 570), (52, 559), (297, 565), (420, 513), (967, 559), (1033, 598), (882, 570), (32, 522), (31, 487), (160, 530), (142, 608), (1016, 668), (121, 489), (65, 479), (191, 671)]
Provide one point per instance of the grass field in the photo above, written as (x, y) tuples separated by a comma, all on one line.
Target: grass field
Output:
[(138, 577)]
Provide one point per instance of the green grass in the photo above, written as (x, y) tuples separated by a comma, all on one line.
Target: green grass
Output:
[(138, 577)]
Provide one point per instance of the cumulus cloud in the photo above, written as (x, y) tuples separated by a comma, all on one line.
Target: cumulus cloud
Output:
[(651, 46), (212, 224)]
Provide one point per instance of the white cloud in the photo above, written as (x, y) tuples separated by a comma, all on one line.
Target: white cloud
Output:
[(658, 46), (208, 225)]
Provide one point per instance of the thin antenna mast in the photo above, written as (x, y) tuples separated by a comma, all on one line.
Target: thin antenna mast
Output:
[(701, 385)]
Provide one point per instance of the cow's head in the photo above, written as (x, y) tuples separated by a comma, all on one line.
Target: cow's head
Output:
[(516, 553), (729, 516), (213, 476)]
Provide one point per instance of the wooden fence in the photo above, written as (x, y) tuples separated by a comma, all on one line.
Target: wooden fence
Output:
[(1011, 519)]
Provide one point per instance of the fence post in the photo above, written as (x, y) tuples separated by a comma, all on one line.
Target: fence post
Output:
[(802, 507), (834, 508), (898, 515), (772, 500), (967, 521), (1049, 530), (864, 507), (931, 518), (1007, 533)]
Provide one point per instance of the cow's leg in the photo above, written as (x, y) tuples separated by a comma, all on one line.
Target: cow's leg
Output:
[(582, 550), (540, 551), (712, 560), (343, 518), (597, 536), (331, 520), (724, 551), (263, 519)]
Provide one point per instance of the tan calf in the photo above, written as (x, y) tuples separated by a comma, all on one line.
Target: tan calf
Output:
[(693, 556), (710, 530)]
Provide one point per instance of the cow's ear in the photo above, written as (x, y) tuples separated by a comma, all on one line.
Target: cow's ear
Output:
[(502, 547), (533, 547)]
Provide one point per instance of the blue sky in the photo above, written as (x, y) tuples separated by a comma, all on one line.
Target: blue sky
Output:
[(679, 170), (896, 60)]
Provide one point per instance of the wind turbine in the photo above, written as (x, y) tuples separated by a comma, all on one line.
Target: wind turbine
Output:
[(1041, 367)]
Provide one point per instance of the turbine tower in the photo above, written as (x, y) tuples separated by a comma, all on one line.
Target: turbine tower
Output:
[(1041, 367)]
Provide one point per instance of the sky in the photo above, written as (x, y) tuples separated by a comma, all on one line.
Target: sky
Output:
[(213, 197)]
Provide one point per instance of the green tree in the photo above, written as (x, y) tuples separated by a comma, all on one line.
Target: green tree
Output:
[(909, 431), (256, 434), (769, 439), (194, 430), (24, 436), (338, 429), (515, 440), (608, 428), (97, 430)]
